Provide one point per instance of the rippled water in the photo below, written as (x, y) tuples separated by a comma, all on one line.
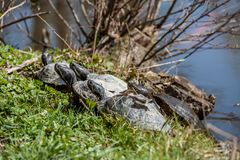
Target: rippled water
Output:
[(215, 71)]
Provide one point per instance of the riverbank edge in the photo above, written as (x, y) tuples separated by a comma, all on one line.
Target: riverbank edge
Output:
[(35, 120)]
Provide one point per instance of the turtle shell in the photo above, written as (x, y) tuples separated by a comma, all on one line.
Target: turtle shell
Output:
[(137, 109), (172, 105), (48, 75), (110, 83), (82, 89)]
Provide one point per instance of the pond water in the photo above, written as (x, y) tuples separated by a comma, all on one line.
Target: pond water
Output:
[(218, 72), (215, 71)]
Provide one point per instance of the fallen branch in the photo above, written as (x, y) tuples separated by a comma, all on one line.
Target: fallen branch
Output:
[(11, 9), (23, 65), (22, 19), (232, 138), (162, 64)]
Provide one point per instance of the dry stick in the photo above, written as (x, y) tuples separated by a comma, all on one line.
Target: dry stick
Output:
[(27, 33), (85, 14), (145, 58), (223, 118), (65, 22), (62, 39), (162, 64), (228, 136), (22, 19), (23, 65), (205, 39), (97, 29), (76, 18), (12, 8), (148, 5), (108, 15), (159, 26), (26, 63)]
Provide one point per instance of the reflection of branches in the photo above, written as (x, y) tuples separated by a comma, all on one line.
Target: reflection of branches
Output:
[(150, 55), (11, 9), (61, 38), (27, 32), (22, 19), (76, 18), (65, 22), (110, 22)]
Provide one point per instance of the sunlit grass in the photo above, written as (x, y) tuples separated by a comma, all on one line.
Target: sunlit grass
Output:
[(36, 123)]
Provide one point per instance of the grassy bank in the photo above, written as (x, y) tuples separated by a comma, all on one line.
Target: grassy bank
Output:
[(35, 123)]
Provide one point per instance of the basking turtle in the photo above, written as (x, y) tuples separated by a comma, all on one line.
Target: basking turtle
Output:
[(171, 105), (110, 83), (49, 76), (137, 109), (80, 89), (182, 89)]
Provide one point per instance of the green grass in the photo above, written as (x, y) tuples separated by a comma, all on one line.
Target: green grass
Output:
[(36, 123)]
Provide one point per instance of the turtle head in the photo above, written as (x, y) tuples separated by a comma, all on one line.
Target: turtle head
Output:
[(66, 73), (79, 70), (96, 89), (46, 57)]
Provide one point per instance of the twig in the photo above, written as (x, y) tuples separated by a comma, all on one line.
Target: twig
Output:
[(85, 13), (65, 22), (228, 136), (76, 18), (23, 65), (62, 39), (162, 64), (12, 8), (22, 19)]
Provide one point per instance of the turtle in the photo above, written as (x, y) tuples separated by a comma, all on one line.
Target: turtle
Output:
[(182, 89), (70, 74), (49, 76), (47, 58), (170, 105), (137, 109), (110, 83)]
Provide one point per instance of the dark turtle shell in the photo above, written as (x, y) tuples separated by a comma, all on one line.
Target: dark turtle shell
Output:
[(48, 75), (172, 105), (182, 89), (137, 109)]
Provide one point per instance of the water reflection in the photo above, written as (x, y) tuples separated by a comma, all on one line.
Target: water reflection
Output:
[(215, 71)]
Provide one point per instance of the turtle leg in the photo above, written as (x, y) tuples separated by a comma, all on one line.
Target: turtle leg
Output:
[(75, 103)]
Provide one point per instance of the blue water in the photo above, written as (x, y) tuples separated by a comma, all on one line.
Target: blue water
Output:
[(217, 72)]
